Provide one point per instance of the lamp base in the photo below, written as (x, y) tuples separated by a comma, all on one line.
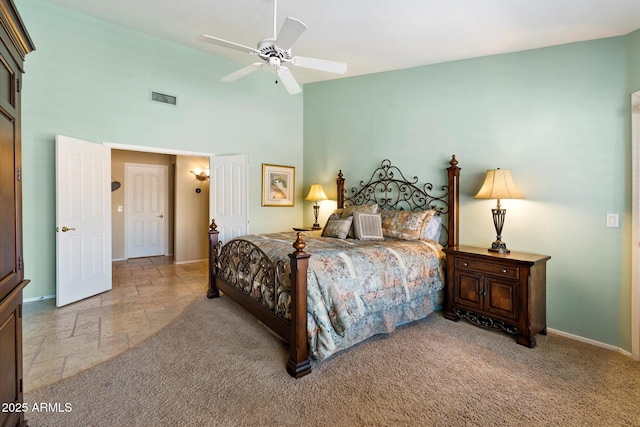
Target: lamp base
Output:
[(316, 226), (500, 247), (498, 221)]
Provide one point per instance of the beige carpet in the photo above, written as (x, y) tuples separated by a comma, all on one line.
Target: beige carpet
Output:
[(216, 366)]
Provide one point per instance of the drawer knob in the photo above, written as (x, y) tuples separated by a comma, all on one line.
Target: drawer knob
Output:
[(466, 264), (504, 271)]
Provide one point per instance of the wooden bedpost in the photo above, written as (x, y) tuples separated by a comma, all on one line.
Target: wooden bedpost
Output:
[(453, 173), (298, 364), (213, 291), (340, 188)]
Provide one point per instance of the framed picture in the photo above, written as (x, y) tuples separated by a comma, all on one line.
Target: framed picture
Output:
[(278, 185)]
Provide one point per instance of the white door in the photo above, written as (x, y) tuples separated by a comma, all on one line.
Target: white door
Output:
[(635, 234), (83, 219), (145, 194), (228, 198)]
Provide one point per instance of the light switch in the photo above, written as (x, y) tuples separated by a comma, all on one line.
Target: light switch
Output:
[(120, 208), (613, 220)]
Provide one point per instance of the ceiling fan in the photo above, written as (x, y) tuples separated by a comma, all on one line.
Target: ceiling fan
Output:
[(276, 52)]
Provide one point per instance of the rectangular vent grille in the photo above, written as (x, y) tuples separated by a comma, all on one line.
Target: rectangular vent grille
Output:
[(163, 98)]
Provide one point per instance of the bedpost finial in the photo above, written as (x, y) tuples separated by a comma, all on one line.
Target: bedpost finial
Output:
[(213, 226), (454, 161), (299, 244), (340, 174)]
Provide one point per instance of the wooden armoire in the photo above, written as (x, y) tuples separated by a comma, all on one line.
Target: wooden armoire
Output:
[(15, 45)]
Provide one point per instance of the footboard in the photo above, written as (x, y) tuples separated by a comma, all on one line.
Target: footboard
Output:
[(243, 272)]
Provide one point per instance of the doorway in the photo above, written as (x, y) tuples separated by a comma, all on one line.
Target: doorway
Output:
[(120, 206), (104, 199), (137, 221)]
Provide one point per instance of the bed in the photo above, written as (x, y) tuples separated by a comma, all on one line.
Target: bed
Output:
[(331, 291)]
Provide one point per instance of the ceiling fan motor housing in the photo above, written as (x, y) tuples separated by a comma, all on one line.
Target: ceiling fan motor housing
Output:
[(270, 52)]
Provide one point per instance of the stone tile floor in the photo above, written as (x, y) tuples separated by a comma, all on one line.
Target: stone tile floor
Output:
[(147, 294)]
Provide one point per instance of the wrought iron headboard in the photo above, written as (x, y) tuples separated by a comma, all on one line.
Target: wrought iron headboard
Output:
[(391, 190)]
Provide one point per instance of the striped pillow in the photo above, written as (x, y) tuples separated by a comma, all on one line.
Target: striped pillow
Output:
[(367, 226)]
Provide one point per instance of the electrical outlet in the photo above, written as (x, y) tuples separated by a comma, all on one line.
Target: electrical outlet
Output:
[(613, 220)]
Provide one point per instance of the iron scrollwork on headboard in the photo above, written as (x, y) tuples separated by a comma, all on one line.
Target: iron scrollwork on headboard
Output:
[(391, 190)]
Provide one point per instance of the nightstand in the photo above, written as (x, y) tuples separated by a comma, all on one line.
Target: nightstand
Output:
[(302, 229), (498, 291)]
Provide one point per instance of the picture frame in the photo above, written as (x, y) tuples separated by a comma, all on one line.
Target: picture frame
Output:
[(278, 185)]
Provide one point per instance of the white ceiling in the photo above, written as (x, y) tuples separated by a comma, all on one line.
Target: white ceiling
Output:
[(374, 35)]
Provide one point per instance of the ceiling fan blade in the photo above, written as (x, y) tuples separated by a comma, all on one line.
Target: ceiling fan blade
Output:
[(227, 44), (242, 72), (320, 64), (289, 33), (287, 79)]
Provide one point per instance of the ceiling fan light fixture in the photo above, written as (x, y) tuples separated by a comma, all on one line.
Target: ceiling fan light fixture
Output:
[(274, 62)]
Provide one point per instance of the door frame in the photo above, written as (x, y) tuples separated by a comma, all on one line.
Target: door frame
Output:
[(158, 150), (635, 232)]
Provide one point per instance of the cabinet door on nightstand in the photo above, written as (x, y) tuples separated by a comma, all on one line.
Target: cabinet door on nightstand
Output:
[(501, 298), (468, 289)]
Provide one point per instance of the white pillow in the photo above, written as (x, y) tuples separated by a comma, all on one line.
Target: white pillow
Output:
[(367, 226), (433, 229)]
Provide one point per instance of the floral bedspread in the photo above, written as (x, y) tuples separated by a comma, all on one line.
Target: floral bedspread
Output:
[(357, 289)]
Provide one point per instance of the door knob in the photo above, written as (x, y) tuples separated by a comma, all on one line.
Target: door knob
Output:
[(65, 229), (160, 216)]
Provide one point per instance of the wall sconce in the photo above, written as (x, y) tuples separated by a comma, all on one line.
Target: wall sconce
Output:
[(201, 175), (498, 184), (316, 193)]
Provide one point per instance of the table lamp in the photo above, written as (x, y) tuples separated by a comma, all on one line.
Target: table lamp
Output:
[(498, 184), (316, 193)]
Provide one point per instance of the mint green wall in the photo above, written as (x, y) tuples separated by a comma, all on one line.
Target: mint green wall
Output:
[(557, 117), (90, 79)]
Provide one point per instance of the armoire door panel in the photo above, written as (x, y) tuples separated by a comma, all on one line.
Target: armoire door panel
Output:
[(10, 274)]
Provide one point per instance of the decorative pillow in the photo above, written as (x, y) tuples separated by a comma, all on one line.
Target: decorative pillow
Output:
[(433, 228), (405, 225), (337, 214), (367, 226), (337, 227), (348, 211)]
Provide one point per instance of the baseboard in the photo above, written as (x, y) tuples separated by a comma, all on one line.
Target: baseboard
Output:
[(38, 298), (125, 259), (590, 341), (190, 261)]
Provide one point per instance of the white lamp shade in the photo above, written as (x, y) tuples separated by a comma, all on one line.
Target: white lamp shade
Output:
[(498, 184), (316, 193)]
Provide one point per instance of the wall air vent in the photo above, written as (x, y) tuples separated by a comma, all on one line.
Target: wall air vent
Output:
[(164, 98)]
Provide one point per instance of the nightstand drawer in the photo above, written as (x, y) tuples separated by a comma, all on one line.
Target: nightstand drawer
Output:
[(485, 267)]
